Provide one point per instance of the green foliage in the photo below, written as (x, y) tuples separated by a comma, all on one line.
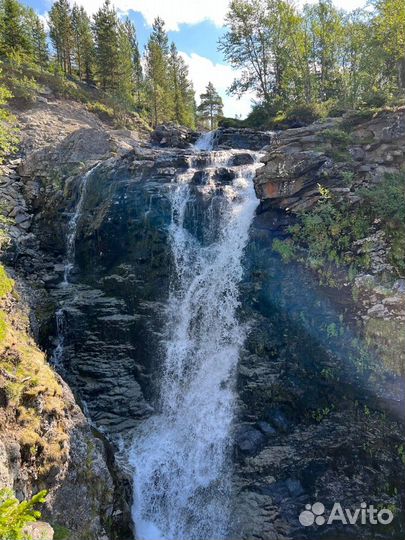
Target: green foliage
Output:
[(339, 141), (328, 231), (8, 133), (61, 34), (3, 326), (385, 202), (60, 532), (211, 107), (104, 54), (319, 55), (304, 113), (231, 122), (321, 414), (83, 44), (15, 515), (102, 110), (182, 90), (6, 283), (337, 137), (284, 248), (24, 88)]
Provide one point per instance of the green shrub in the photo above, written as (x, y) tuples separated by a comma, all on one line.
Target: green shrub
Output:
[(231, 122), (305, 113), (71, 90), (339, 141), (355, 118), (15, 515), (337, 137), (385, 202), (328, 231), (4, 230), (8, 132), (60, 532), (24, 88), (103, 111)]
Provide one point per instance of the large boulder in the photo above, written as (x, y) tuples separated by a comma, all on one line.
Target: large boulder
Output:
[(173, 136)]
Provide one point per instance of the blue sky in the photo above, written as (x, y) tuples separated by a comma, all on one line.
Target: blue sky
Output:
[(195, 26)]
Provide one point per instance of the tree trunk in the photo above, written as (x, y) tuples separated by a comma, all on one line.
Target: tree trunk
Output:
[(401, 75)]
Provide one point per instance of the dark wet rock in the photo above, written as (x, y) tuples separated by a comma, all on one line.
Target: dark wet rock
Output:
[(241, 159), (266, 428), (173, 136), (245, 138), (249, 440), (224, 175), (278, 419)]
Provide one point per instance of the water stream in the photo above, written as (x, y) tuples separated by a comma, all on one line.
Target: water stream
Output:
[(181, 455), (57, 356)]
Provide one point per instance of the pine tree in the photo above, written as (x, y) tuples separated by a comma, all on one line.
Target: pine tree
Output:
[(61, 33), (124, 79), (211, 106), (83, 43), (14, 39), (157, 74), (182, 89), (37, 38), (137, 73), (107, 47)]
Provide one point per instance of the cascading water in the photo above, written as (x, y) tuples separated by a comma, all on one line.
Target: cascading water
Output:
[(181, 456), (57, 356), (205, 142)]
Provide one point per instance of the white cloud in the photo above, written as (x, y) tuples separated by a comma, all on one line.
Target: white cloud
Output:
[(203, 70), (176, 12), (173, 12)]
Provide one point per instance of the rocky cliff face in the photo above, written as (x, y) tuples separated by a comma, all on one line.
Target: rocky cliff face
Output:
[(318, 418), (325, 153), (46, 442), (343, 157)]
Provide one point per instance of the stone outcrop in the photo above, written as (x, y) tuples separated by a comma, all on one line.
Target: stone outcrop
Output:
[(173, 136), (325, 153), (242, 138)]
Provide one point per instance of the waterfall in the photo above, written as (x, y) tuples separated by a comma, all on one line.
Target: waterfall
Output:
[(181, 455), (57, 356), (72, 228), (205, 142)]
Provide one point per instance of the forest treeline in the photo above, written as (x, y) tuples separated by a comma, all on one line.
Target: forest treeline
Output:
[(320, 57), (102, 52), (318, 60)]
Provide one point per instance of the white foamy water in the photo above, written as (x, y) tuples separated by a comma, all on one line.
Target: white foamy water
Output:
[(72, 228), (205, 142), (181, 455)]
